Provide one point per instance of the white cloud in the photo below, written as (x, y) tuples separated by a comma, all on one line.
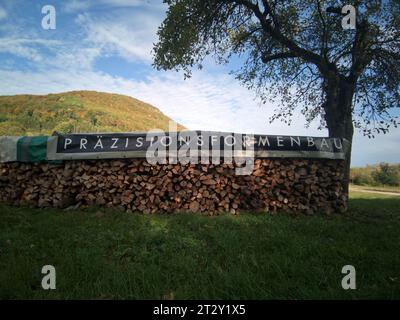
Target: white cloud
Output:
[(131, 39), (26, 48), (213, 103), (76, 5), (84, 5), (124, 3), (74, 58), (64, 55), (3, 13)]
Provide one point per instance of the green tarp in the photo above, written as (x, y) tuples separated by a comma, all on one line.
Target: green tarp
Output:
[(32, 149)]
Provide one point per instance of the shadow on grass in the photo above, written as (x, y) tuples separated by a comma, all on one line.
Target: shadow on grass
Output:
[(373, 206)]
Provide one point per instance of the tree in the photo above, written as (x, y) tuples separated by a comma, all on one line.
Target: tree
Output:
[(298, 54), (386, 174)]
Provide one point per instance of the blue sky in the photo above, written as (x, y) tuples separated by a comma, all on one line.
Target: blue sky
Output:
[(105, 45)]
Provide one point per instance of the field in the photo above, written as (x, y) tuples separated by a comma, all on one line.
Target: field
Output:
[(108, 255), (391, 189)]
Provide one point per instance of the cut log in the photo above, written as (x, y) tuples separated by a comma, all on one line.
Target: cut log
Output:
[(133, 184)]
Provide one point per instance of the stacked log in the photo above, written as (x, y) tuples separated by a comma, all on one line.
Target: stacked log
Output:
[(295, 185)]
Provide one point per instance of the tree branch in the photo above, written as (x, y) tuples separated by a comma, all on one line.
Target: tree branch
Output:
[(280, 55), (360, 57), (324, 42), (282, 39)]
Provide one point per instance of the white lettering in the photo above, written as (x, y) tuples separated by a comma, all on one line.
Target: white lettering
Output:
[(263, 141), (83, 143), (99, 144), (233, 140), (114, 146), (340, 143), (139, 142), (349, 281), (67, 142), (279, 141), (49, 20), (295, 141), (49, 280), (349, 20), (200, 141), (324, 143)]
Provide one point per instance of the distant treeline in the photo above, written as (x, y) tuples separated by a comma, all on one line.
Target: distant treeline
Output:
[(375, 175)]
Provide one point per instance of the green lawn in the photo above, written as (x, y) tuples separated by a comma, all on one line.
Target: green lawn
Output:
[(377, 188), (103, 254)]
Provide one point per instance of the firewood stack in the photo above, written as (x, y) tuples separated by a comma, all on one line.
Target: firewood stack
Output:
[(295, 185)]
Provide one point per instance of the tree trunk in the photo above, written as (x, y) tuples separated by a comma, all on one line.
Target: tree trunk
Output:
[(338, 115)]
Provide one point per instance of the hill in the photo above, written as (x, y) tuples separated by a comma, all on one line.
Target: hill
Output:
[(77, 111)]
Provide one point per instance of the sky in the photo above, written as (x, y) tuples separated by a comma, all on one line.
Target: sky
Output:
[(106, 45)]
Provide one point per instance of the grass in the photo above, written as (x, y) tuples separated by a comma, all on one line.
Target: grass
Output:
[(77, 111), (383, 188), (109, 255)]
